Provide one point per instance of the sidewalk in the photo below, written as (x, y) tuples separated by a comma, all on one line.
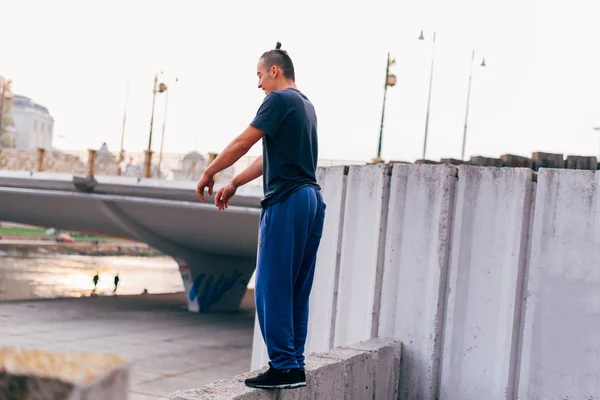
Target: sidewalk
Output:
[(169, 347)]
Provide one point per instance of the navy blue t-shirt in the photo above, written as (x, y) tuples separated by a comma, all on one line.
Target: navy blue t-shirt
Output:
[(290, 146)]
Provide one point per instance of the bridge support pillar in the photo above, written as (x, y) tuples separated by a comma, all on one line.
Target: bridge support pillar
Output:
[(215, 283)]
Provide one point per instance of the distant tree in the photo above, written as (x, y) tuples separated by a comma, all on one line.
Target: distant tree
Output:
[(6, 105), (7, 124)]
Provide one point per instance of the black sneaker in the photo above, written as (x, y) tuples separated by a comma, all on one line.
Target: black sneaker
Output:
[(278, 379)]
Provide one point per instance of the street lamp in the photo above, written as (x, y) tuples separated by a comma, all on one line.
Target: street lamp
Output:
[(162, 138), (122, 152), (390, 81), (462, 157), (157, 88), (422, 37)]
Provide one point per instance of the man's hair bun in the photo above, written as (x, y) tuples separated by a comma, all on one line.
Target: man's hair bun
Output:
[(278, 46)]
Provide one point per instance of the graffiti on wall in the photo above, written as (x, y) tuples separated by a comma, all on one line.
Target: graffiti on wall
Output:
[(213, 289)]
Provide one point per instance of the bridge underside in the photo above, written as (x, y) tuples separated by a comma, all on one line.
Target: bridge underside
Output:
[(215, 250)]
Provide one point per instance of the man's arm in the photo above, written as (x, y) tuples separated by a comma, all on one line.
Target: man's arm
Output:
[(235, 150), (226, 192), (249, 174)]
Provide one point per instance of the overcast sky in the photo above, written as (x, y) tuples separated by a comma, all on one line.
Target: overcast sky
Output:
[(540, 90)]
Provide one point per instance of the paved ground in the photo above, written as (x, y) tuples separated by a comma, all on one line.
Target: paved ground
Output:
[(169, 347)]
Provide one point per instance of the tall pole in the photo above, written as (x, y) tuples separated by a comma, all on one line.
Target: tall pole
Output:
[(152, 116), (124, 121), (462, 156), (162, 138), (429, 98), (385, 86)]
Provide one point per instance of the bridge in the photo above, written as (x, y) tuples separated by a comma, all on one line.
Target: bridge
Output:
[(215, 250), (97, 191)]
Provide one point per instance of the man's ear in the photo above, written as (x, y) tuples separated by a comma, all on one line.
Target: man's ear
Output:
[(274, 71)]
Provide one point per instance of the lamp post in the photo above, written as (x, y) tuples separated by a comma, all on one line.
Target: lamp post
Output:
[(390, 81), (157, 88), (462, 156), (162, 138), (122, 152), (422, 37)]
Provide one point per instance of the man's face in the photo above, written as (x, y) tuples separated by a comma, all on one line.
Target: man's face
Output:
[(266, 78)]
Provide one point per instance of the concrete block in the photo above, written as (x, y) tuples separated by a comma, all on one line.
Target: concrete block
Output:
[(367, 370), (361, 262), (488, 256), (579, 162), (386, 366), (417, 248), (452, 161), (422, 161), (547, 160), (323, 298), (561, 341), (486, 161), (510, 160), (260, 357), (232, 389), (325, 380), (358, 372), (34, 374)]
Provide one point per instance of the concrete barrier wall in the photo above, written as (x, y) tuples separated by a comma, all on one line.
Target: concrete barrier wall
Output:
[(365, 370), (488, 254), (489, 280), (323, 298), (414, 279), (561, 331), (361, 260)]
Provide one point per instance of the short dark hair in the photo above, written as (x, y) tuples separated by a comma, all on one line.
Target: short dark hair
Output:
[(280, 58)]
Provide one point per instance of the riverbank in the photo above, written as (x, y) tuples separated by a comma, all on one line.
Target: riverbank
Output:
[(16, 247)]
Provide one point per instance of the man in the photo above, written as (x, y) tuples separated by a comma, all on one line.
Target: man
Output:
[(96, 278), (291, 221), (116, 280)]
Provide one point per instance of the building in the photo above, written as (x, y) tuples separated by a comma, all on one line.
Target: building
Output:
[(33, 124)]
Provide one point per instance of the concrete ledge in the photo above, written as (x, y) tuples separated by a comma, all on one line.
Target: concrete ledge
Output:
[(34, 374), (366, 370)]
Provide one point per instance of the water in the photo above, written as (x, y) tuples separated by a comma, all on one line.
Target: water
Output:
[(50, 276)]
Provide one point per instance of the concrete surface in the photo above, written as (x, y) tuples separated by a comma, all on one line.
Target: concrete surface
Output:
[(561, 335), (169, 348), (366, 370), (361, 260), (489, 248), (35, 374), (414, 278), (507, 251), (323, 298)]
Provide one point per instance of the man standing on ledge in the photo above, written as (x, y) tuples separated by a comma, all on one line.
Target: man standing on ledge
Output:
[(291, 220)]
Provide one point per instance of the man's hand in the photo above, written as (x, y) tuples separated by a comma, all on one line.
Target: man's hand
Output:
[(206, 181), (224, 194)]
